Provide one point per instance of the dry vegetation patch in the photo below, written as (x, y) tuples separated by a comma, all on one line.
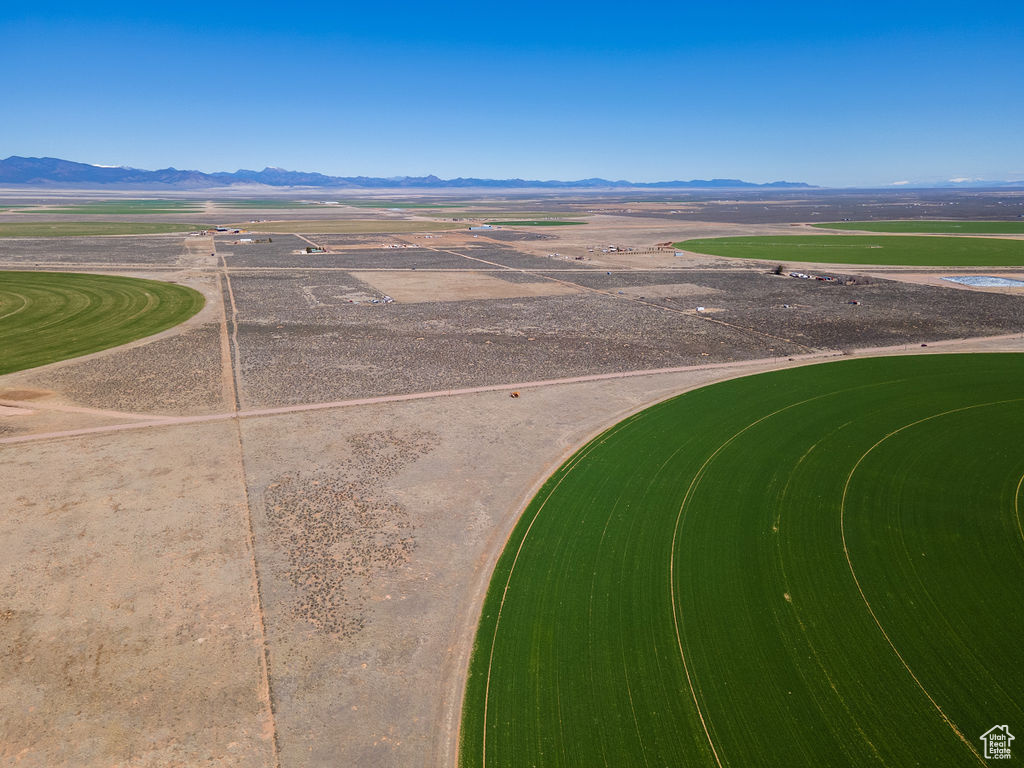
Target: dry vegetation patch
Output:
[(353, 226)]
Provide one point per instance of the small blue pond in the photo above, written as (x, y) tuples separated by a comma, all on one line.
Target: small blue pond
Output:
[(984, 281)]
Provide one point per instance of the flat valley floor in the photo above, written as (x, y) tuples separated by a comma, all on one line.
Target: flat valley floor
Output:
[(262, 538)]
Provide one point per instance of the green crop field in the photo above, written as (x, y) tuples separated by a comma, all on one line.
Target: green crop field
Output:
[(126, 207), (83, 228), (818, 566), (535, 223), (51, 316), (932, 227), (867, 249)]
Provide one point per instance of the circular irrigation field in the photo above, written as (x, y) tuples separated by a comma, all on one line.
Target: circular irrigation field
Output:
[(931, 227), (819, 566), (51, 316), (867, 249)]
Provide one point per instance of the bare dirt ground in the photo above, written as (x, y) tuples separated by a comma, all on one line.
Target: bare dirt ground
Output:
[(420, 286), (290, 575), (126, 621)]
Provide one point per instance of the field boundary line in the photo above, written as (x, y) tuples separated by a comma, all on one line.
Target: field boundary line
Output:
[(256, 597), (233, 322), (856, 581), (230, 383), (227, 368)]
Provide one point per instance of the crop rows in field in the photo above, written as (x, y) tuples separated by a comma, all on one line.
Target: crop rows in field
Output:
[(800, 568), (48, 316)]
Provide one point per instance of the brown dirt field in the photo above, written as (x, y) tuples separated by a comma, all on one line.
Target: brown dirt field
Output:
[(126, 631), (423, 286)]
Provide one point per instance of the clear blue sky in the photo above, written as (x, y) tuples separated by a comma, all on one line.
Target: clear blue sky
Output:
[(830, 93)]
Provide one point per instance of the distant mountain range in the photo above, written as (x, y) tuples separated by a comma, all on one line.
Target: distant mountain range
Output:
[(53, 172)]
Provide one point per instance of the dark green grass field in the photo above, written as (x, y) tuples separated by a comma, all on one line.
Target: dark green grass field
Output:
[(932, 227), (82, 228), (867, 249), (535, 223), (50, 316), (820, 566)]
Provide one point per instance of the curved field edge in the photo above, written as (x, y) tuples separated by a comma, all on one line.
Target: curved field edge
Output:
[(50, 316), (802, 567), (882, 250), (930, 227)]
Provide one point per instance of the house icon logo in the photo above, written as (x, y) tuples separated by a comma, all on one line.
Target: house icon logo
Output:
[(997, 742)]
